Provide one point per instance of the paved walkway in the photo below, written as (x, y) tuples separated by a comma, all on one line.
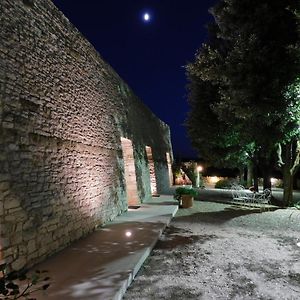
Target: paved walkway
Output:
[(102, 265)]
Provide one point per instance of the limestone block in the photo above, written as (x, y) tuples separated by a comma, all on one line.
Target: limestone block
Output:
[(22, 250), (7, 125), (19, 263), (31, 246), (17, 216), (42, 251), (8, 260), (32, 256), (27, 224), (16, 238), (4, 186), (1, 208), (18, 227), (4, 177), (11, 203), (51, 228), (13, 147), (29, 235)]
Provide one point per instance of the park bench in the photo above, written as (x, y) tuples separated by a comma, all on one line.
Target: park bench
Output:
[(245, 197)]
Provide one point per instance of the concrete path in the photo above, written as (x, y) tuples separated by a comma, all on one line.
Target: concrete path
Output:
[(102, 265)]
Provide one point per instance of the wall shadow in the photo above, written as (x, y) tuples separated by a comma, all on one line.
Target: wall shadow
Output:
[(217, 217)]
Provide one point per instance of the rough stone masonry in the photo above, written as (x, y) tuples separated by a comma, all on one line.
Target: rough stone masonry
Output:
[(63, 112)]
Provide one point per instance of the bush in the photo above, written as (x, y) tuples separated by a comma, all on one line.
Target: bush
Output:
[(297, 205), (185, 191), (279, 184), (223, 184)]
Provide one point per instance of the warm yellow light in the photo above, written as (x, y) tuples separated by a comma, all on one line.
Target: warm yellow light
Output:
[(199, 168), (214, 179)]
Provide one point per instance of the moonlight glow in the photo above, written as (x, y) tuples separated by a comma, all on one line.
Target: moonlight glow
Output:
[(146, 17)]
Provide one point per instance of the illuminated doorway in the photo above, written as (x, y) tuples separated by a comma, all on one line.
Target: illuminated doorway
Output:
[(151, 170), (169, 162), (130, 175)]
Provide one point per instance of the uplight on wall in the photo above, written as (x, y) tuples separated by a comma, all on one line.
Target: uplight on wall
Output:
[(128, 233)]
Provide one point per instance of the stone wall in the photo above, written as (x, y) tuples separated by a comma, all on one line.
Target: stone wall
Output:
[(63, 111)]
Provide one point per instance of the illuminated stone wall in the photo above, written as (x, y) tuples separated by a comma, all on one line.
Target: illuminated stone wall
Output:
[(63, 111)]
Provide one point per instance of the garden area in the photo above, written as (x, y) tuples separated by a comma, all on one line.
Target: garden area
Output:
[(222, 251)]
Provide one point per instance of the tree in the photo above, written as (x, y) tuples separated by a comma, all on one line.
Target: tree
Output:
[(218, 138), (290, 158), (261, 65), (253, 66)]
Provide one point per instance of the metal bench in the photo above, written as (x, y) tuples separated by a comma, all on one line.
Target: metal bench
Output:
[(248, 198), (262, 198)]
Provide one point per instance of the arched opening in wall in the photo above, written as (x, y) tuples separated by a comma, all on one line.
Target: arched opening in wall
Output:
[(130, 175), (169, 162), (152, 171)]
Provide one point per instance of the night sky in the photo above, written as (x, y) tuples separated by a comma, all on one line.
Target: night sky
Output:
[(149, 56)]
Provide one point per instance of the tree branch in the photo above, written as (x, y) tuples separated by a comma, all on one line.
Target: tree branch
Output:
[(280, 163)]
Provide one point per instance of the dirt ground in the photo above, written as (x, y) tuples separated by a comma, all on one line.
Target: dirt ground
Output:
[(221, 251)]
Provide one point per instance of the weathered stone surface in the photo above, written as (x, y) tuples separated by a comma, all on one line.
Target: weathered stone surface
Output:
[(31, 247), (19, 263), (63, 111), (11, 202)]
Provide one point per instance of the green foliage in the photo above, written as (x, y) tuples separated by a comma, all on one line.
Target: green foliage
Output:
[(185, 191), (223, 184), (297, 205), (279, 185), (21, 285), (244, 83), (243, 182)]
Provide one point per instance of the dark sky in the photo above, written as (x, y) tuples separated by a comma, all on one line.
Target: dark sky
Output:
[(148, 56)]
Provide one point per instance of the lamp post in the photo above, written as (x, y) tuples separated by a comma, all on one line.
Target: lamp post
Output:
[(199, 170)]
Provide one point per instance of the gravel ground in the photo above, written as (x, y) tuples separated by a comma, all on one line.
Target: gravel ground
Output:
[(221, 251)]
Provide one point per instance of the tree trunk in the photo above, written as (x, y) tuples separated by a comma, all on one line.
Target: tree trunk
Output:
[(288, 175), (267, 177), (249, 173), (287, 187), (290, 167), (190, 173), (255, 177), (241, 175)]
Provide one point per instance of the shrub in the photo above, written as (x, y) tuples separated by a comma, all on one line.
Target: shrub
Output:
[(223, 184), (279, 184), (297, 205)]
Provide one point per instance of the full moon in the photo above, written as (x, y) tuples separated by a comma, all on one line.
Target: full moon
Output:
[(146, 17)]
